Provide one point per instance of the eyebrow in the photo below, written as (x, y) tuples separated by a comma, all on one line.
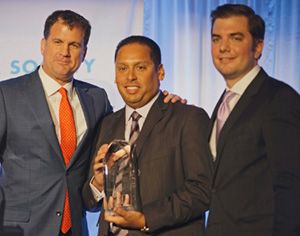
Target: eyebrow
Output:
[(231, 34)]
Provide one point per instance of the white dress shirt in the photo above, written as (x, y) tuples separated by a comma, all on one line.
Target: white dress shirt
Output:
[(53, 98)]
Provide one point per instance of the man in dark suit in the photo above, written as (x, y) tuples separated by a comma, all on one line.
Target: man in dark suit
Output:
[(36, 176), (256, 183), (171, 150)]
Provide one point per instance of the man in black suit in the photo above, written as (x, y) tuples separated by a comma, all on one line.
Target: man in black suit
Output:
[(256, 154), (171, 149)]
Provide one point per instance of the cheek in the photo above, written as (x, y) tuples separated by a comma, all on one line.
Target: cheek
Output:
[(214, 53)]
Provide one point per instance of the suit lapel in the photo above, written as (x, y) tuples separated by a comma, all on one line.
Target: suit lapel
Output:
[(239, 109), (117, 130), (85, 101), (154, 116), (214, 115), (35, 95), (88, 113)]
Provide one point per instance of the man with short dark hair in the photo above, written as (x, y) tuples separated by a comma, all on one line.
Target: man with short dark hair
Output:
[(171, 151), (254, 138)]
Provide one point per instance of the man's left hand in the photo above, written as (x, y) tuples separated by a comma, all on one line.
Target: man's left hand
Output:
[(173, 98)]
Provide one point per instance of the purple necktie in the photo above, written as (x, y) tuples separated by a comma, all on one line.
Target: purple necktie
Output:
[(223, 112)]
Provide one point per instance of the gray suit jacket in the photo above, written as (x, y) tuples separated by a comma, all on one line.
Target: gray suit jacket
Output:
[(256, 184), (173, 162), (36, 178)]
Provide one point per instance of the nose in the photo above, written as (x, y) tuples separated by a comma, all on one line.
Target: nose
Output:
[(224, 45), (131, 75), (65, 50)]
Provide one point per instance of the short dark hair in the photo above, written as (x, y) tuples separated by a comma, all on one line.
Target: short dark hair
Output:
[(256, 24), (71, 19), (155, 53)]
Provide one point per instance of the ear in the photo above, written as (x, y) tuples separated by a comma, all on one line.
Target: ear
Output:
[(258, 49), (84, 54), (43, 45), (161, 72)]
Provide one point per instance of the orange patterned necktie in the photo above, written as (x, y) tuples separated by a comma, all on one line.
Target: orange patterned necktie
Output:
[(68, 146)]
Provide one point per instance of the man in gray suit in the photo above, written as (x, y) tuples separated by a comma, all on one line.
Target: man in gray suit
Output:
[(36, 178), (171, 150)]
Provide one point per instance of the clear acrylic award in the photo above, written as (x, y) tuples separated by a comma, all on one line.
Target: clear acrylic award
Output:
[(120, 176)]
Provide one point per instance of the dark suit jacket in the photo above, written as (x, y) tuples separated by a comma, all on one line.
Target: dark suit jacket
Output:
[(256, 184), (36, 178), (173, 161)]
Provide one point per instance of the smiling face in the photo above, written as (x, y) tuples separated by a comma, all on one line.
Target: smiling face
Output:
[(233, 50), (137, 77), (63, 52)]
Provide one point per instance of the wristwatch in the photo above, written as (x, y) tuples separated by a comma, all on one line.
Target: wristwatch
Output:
[(145, 229)]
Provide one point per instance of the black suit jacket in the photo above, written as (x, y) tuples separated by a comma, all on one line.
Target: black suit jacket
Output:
[(256, 184), (35, 176), (173, 161)]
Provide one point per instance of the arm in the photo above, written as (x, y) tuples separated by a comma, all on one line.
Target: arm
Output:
[(2, 126), (95, 183), (192, 200), (282, 135)]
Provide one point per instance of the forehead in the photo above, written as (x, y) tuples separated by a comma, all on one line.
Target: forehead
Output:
[(232, 24), (61, 26), (134, 51)]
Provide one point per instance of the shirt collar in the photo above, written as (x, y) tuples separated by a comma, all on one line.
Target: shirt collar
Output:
[(240, 87), (143, 111), (51, 86)]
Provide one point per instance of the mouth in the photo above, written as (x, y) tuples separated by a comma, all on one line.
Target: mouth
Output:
[(63, 62), (226, 60), (131, 89)]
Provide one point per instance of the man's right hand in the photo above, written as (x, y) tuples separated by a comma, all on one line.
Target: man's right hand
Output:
[(98, 168)]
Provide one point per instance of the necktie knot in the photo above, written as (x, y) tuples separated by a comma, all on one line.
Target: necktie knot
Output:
[(63, 92), (228, 96), (135, 116)]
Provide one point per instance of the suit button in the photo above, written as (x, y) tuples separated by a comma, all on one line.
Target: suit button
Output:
[(58, 213)]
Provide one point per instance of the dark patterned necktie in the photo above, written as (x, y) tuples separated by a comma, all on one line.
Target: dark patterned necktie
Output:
[(135, 129)]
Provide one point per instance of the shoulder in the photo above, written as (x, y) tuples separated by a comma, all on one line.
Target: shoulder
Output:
[(188, 111), (112, 117), (281, 91), (98, 93), (87, 86), (17, 81)]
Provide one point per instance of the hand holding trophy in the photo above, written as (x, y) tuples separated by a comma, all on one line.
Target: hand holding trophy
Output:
[(120, 177)]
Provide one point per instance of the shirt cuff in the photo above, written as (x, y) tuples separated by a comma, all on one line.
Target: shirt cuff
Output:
[(96, 193)]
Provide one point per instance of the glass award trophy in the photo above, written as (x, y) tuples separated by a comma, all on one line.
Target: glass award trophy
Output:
[(120, 176)]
